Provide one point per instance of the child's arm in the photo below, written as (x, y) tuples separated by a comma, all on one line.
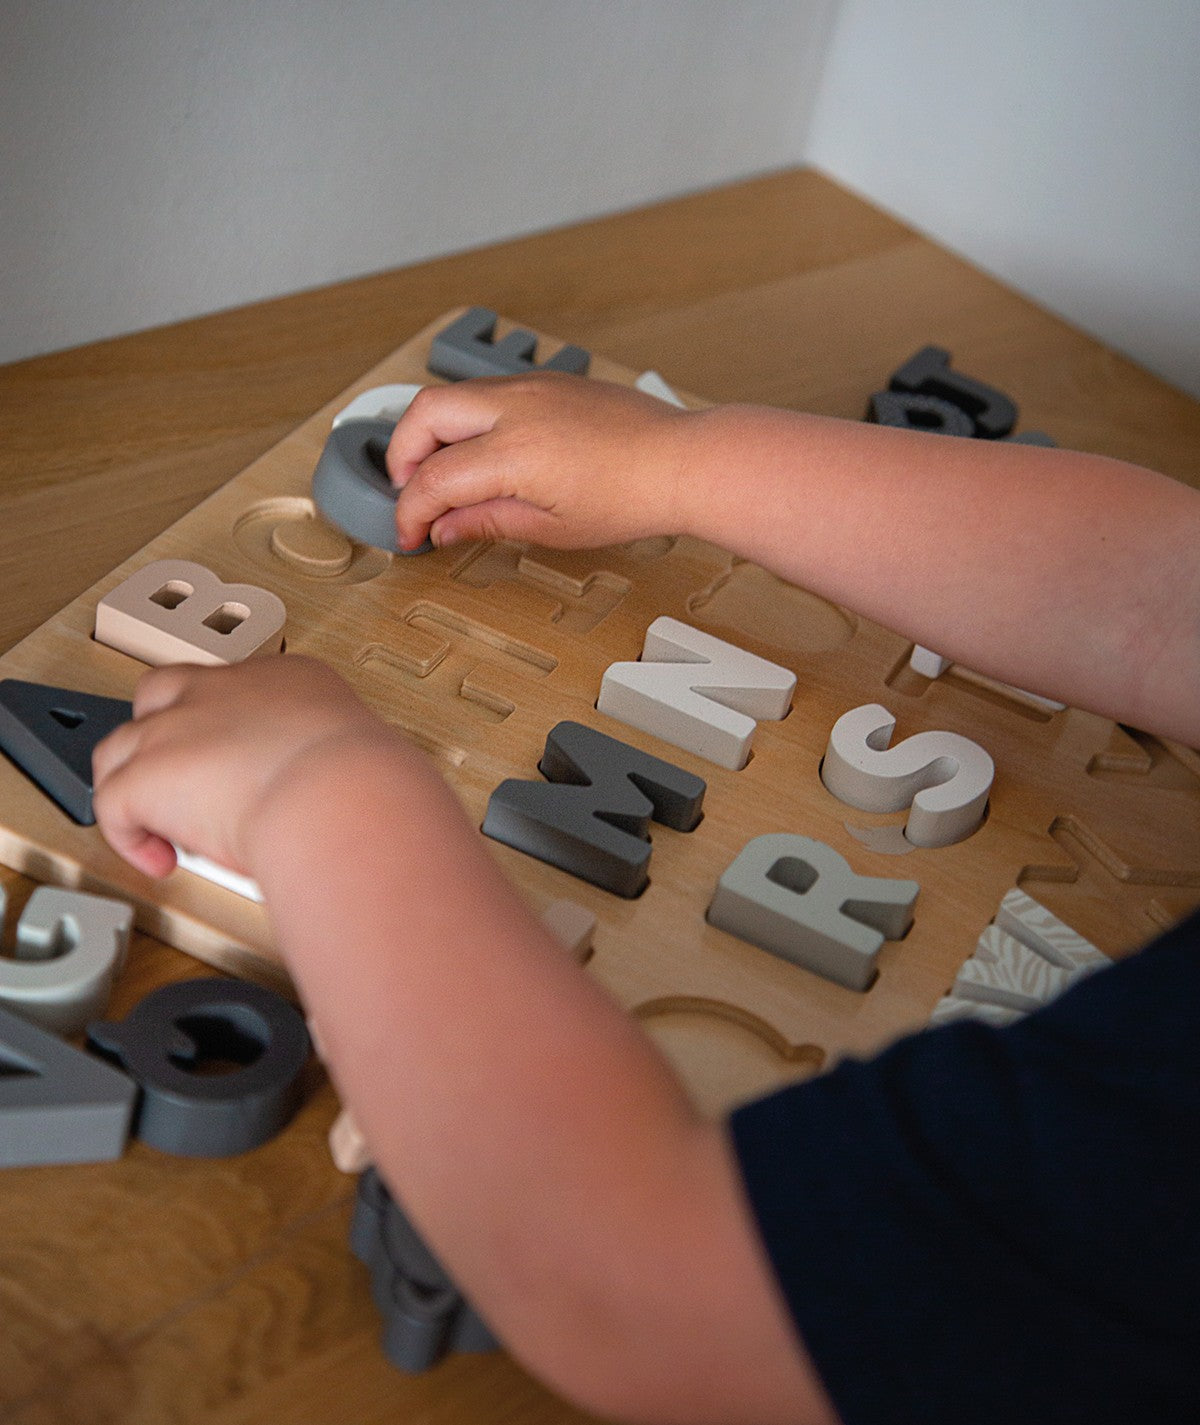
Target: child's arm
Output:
[(537, 1139), (1073, 575)]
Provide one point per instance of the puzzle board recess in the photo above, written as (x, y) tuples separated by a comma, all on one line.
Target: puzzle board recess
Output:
[(478, 651)]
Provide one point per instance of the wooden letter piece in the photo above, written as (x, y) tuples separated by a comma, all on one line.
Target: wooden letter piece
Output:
[(201, 1115), (50, 733), (69, 949), (56, 1104), (1022, 961), (1002, 971), (219, 875), (697, 692), (351, 486), (945, 777), (652, 384), (911, 411), (467, 348), (799, 899), (593, 818), (380, 403), (1040, 930), (573, 925), (175, 611), (926, 662), (928, 373), (1032, 437), (951, 1008), (425, 1316), (932, 665), (347, 1145)]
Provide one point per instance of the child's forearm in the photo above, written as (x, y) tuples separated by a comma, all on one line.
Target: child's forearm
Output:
[(1072, 575), (526, 1123)]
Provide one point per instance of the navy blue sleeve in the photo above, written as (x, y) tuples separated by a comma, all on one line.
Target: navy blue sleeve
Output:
[(1001, 1224)]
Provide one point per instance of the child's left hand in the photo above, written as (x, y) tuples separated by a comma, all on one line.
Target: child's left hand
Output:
[(206, 747)]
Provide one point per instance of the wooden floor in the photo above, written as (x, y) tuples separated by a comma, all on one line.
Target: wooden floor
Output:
[(163, 1289)]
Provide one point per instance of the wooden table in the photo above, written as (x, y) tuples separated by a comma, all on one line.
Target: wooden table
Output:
[(164, 1289)]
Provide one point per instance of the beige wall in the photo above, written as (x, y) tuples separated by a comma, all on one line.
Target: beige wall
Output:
[(1056, 143)]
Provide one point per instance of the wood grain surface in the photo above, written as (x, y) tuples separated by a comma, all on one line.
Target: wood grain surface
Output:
[(158, 1289)]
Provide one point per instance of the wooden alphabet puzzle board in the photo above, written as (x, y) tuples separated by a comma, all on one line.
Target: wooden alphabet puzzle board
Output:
[(477, 651)]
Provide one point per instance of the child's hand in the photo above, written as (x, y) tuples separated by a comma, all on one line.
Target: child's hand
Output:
[(558, 460), (205, 749)]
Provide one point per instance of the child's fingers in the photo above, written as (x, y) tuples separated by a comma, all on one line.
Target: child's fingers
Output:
[(157, 691), (112, 753), (438, 416), (494, 519), (449, 479), (147, 853), (122, 827), (161, 688)]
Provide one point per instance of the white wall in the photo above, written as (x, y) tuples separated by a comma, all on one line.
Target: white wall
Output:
[(162, 158), (1056, 143)]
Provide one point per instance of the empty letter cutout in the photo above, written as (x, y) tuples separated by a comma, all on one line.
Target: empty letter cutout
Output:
[(799, 899), (69, 949), (697, 692), (944, 776), (174, 611)]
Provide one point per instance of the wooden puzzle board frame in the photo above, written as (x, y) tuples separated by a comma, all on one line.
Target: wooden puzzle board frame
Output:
[(477, 652)]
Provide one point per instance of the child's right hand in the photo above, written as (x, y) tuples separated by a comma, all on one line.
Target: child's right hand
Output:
[(561, 461)]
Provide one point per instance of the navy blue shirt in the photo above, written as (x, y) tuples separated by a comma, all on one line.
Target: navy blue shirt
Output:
[(1001, 1224)]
